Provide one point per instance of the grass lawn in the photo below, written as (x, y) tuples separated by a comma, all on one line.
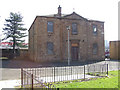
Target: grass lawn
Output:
[(105, 82)]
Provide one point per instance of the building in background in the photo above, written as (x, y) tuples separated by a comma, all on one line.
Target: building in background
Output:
[(48, 38), (115, 50)]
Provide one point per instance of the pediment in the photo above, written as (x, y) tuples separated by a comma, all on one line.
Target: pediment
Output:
[(75, 16)]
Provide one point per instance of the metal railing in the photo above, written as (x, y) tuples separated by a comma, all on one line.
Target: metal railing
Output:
[(97, 69), (30, 81), (44, 77)]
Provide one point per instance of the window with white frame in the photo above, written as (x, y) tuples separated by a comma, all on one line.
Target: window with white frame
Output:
[(49, 26), (94, 29), (74, 28)]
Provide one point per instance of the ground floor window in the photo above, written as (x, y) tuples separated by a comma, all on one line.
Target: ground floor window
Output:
[(95, 48), (50, 47)]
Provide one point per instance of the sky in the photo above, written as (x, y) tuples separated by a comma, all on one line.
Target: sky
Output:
[(102, 10)]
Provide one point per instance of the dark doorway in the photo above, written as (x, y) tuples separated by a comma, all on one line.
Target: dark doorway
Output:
[(74, 53)]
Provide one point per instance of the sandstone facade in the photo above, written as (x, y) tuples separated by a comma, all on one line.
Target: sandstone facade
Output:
[(115, 50), (86, 44)]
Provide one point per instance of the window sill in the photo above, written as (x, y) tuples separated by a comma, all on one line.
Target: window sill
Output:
[(94, 54), (94, 34), (74, 33)]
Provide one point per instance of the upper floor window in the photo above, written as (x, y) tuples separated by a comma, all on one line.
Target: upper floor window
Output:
[(95, 48), (94, 29), (49, 47), (50, 26), (74, 28)]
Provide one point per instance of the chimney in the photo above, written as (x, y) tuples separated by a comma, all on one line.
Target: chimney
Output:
[(59, 11)]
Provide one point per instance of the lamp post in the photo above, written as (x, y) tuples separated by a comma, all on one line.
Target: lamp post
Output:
[(68, 28)]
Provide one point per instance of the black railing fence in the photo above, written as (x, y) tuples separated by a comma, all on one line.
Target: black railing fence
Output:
[(97, 69), (29, 80), (38, 77)]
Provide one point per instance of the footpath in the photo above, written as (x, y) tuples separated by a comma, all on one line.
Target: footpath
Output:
[(9, 83)]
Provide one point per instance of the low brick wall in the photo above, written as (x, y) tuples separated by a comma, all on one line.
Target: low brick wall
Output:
[(20, 53), (8, 53), (23, 54)]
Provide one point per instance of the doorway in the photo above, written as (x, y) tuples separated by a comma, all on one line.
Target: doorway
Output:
[(74, 52)]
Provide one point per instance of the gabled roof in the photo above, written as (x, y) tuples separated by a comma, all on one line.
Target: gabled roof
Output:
[(96, 21), (66, 16), (74, 13)]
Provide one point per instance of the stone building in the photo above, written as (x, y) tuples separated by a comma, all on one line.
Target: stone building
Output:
[(115, 50), (48, 38)]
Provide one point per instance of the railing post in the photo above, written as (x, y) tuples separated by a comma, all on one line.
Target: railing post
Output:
[(21, 77), (94, 69), (45, 73), (54, 74), (77, 71), (71, 72), (107, 69), (32, 81), (102, 69), (84, 71)]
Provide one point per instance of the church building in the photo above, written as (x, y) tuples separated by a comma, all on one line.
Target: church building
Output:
[(48, 38)]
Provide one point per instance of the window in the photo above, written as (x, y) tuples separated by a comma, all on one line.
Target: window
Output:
[(94, 29), (74, 28), (50, 48), (95, 48), (50, 26)]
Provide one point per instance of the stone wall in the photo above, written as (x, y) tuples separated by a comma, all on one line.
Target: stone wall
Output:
[(38, 38), (99, 39)]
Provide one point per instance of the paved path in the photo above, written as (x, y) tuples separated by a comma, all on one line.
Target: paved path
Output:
[(10, 73), (66, 78), (112, 65), (9, 84)]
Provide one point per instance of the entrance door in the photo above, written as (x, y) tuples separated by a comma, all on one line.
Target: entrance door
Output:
[(74, 53)]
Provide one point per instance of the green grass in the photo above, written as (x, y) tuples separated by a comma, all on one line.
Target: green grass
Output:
[(105, 82)]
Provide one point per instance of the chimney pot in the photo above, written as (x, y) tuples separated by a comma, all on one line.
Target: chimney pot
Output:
[(59, 11)]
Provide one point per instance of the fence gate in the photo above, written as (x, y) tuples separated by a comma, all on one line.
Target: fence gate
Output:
[(30, 81)]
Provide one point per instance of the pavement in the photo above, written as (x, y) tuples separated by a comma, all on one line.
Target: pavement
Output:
[(11, 76), (9, 83), (15, 83), (66, 78)]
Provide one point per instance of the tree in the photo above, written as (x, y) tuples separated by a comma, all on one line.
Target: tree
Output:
[(14, 30)]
